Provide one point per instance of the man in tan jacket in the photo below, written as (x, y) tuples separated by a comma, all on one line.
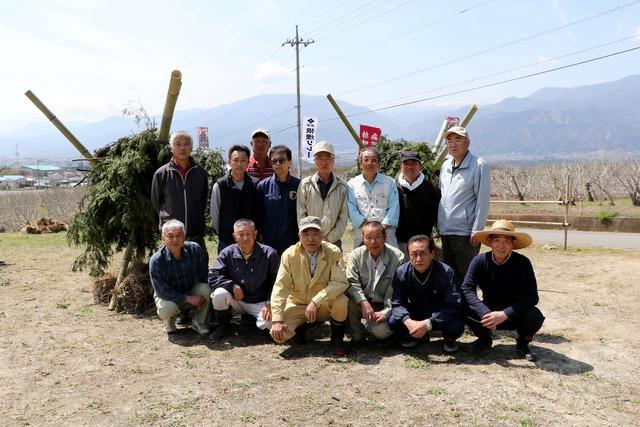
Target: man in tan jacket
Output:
[(324, 195), (310, 288)]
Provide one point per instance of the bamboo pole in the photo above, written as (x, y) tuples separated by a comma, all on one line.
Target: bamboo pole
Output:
[(438, 140), (353, 133), (175, 83), (465, 121), (124, 266), (61, 127)]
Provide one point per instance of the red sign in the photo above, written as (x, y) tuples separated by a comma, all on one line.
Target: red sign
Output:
[(370, 135)]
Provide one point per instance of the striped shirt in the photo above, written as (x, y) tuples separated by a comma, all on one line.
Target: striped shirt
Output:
[(261, 173)]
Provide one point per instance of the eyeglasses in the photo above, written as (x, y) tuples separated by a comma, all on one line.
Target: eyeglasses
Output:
[(280, 161)]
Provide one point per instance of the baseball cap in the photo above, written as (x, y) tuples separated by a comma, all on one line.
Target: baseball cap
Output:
[(323, 147), (261, 132), (458, 130), (409, 155), (309, 222)]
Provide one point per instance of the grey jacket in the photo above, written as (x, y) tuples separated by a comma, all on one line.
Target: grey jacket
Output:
[(358, 276)]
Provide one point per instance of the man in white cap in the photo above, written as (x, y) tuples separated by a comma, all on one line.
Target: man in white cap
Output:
[(509, 289), (465, 184), (310, 288), (259, 162), (324, 195), (373, 196)]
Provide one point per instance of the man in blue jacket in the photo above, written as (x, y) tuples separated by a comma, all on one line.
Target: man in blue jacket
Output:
[(465, 184), (426, 297), (275, 210), (509, 289), (242, 278)]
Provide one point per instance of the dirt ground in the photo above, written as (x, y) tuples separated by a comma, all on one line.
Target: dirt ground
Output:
[(66, 361)]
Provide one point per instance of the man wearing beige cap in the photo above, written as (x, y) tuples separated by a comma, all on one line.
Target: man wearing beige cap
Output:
[(259, 162), (324, 195), (309, 288), (509, 289), (465, 184)]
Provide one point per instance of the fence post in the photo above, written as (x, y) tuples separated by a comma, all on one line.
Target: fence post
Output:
[(566, 212)]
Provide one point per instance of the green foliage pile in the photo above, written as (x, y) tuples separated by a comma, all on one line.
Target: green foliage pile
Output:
[(390, 158), (117, 206)]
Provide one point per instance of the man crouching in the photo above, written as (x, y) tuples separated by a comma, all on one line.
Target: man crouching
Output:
[(310, 288)]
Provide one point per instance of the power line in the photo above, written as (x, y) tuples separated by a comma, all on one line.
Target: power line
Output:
[(345, 16), (421, 27)]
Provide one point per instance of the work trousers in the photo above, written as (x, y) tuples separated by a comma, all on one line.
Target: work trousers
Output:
[(457, 253), (359, 326), (526, 324), (222, 300), (452, 329), (168, 309), (294, 314)]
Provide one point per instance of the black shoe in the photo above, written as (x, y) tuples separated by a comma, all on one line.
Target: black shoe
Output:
[(410, 342), (247, 319), (184, 319), (337, 338), (221, 332), (450, 346), (523, 350), (482, 344), (300, 337)]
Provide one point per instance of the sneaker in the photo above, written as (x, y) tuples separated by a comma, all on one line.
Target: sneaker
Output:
[(482, 344), (200, 328), (450, 346), (170, 326), (524, 351), (183, 319), (220, 332), (411, 342)]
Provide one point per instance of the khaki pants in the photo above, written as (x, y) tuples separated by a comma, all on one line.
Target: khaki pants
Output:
[(294, 314), (358, 325), (168, 309)]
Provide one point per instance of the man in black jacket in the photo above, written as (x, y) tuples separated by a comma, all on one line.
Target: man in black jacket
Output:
[(180, 188), (232, 196), (509, 289), (419, 201), (426, 297)]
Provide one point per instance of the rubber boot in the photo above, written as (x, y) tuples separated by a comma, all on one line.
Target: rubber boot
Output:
[(337, 338), (223, 319)]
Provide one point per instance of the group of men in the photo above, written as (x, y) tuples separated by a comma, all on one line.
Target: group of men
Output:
[(279, 259)]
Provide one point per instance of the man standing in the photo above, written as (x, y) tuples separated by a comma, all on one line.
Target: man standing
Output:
[(276, 202), (242, 277), (310, 288), (419, 200), (509, 289), (324, 195), (232, 196), (466, 192), (259, 165), (425, 298), (180, 188), (370, 271), (179, 278), (373, 196)]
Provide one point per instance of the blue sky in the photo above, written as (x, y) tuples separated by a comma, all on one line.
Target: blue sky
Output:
[(87, 59)]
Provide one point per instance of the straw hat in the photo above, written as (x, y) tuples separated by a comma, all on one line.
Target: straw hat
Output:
[(503, 227)]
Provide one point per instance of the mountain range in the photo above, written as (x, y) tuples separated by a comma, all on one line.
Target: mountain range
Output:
[(550, 123)]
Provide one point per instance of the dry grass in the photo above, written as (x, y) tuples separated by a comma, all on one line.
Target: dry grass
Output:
[(20, 207)]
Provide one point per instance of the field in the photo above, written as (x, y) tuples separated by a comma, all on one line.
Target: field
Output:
[(66, 361)]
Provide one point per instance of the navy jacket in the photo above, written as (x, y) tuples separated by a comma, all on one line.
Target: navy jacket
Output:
[(275, 212), (255, 276), (510, 287), (438, 299)]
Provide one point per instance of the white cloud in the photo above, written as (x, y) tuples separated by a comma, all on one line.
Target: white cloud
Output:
[(271, 72)]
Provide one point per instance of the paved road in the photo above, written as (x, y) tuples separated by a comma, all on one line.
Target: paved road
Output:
[(586, 238)]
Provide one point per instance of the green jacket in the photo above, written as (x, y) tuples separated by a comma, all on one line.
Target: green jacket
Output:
[(358, 275)]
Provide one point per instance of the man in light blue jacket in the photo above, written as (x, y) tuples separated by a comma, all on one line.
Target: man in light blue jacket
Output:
[(466, 192)]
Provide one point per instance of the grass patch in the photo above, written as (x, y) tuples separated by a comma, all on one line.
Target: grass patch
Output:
[(249, 417), (63, 305), (85, 311), (145, 418), (526, 422), (193, 354), (412, 362), (590, 376), (436, 391)]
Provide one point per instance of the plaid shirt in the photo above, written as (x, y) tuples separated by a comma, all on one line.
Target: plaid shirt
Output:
[(173, 278)]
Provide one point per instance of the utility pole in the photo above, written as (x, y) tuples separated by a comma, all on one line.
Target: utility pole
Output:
[(297, 42)]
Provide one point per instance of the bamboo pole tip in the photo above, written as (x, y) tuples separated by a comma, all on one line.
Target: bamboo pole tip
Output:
[(176, 74)]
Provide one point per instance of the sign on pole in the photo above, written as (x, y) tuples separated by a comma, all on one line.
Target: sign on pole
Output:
[(203, 137), (370, 135), (310, 127)]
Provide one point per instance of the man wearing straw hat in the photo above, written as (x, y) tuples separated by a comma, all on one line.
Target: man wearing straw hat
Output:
[(509, 289)]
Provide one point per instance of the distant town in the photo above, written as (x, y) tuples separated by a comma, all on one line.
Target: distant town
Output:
[(37, 173)]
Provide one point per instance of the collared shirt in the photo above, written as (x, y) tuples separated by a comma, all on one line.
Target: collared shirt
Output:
[(256, 171), (404, 183), (313, 262), (493, 258), (376, 201), (173, 278), (375, 272), (466, 194), (324, 186)]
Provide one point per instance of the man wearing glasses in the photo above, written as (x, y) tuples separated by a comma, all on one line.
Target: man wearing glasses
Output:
[(276, 202), (466, 191)]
